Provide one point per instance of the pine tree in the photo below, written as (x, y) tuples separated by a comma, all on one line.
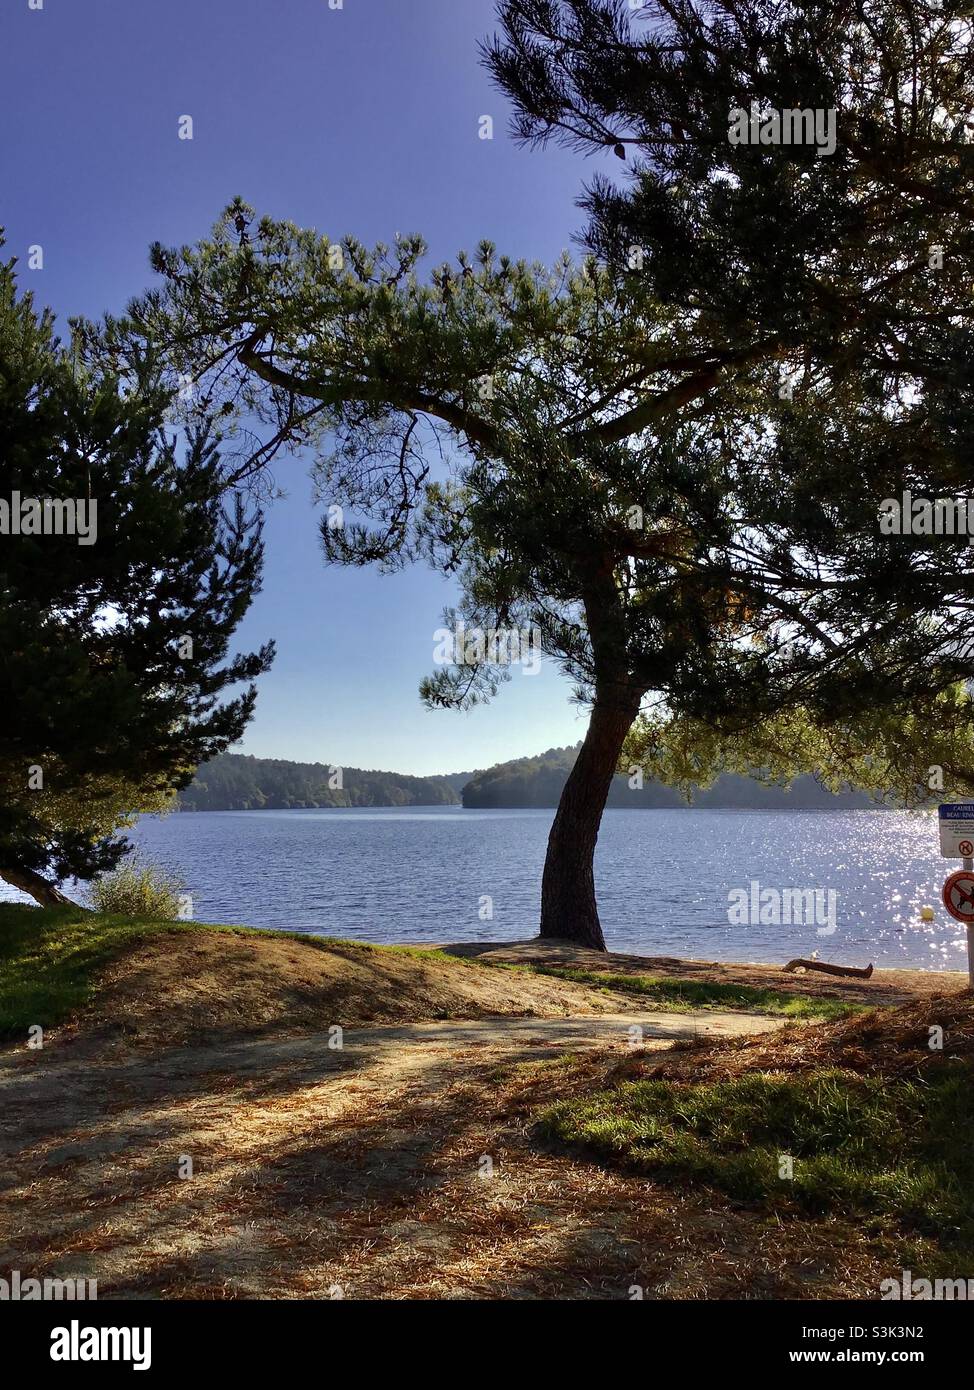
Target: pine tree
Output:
[(113, 643), (712, 550)]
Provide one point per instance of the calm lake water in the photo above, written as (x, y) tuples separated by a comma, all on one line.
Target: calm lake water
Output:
[(420, 874)]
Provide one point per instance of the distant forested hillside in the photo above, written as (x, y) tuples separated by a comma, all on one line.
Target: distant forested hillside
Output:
[(238, 782), (538, 782)]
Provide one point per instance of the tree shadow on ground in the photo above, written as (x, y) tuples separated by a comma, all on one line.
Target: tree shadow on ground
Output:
[(361, 1171)]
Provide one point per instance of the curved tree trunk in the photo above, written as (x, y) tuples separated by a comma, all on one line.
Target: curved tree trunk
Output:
[(40, 889), (568, 908)]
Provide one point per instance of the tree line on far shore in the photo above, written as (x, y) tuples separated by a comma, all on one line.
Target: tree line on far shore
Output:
[(539, 781), (238, 782)]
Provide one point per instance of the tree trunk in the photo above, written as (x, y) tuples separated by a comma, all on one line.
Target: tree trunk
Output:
[(568, 908), (40, 889)]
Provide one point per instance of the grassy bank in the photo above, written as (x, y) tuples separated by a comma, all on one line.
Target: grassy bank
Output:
[(161, 983), (51, 959)]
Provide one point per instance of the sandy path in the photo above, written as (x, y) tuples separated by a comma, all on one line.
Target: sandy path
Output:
[(400, 1167), (312, 1050)]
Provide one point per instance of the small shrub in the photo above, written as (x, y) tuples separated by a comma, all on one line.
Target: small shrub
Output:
[(139, 890)]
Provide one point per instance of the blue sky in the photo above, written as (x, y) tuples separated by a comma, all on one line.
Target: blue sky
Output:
[(362, 119)]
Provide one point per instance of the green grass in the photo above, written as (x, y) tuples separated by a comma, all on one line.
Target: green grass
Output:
[(680, 996), (860, 1145), (51, 958)]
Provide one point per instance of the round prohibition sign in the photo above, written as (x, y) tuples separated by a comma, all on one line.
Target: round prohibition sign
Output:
[(966, 848), (958, 895)]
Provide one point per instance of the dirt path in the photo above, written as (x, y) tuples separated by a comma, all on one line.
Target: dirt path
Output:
[(402, 1166), (314, 1050)]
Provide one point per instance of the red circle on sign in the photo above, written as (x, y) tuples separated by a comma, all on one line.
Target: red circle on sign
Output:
[(958, 895), (966, 848)]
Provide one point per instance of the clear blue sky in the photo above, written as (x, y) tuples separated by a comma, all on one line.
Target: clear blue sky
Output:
[(362, 119)]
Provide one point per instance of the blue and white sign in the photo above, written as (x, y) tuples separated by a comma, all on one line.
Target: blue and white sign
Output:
[(956, 821)]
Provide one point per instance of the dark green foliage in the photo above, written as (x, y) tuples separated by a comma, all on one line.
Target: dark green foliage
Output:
[(785, 263), (771, 250), (116, 676), (693, 537)]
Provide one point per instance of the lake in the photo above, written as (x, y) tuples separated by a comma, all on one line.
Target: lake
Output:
[(664, 877)]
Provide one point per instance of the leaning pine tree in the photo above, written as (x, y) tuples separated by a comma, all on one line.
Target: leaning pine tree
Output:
[(115, 646), (681, 538)]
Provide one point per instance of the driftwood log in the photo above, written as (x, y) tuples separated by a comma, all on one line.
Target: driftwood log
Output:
[(829, 969)]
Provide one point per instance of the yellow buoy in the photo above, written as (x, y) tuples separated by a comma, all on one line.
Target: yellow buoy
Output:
[(926, 914)]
